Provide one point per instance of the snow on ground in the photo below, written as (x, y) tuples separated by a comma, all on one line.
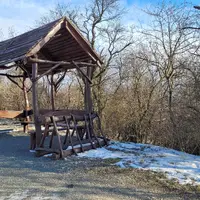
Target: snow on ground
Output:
[(175, 164), (26, 194)]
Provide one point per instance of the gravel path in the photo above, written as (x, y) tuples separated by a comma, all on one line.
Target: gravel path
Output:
[(23, 176)]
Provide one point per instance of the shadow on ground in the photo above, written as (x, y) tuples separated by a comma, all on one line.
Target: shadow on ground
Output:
[(23, 176)]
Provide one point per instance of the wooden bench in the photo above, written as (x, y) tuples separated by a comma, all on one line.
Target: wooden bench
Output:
[(21, 115), (78, 127)]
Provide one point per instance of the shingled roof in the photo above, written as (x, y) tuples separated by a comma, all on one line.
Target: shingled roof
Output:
[(16, 48), (59, 40)]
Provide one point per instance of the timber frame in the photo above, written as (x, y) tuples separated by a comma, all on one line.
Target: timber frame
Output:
[(50, 49)]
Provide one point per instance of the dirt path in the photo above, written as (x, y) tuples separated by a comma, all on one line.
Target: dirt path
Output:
[(22, 176)]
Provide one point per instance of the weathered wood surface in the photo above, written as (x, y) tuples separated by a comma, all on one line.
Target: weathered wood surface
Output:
[(11, 114), (78, 130), (60, 39), (58, 114), (87, 93), (56, 27), (34, 60), (48, 71), (52, 93), (69, 151), (82, 41), (15, 48), (35, 104), (82, 72)]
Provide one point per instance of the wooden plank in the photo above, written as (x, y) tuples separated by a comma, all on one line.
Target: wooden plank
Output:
[(68, 56), (67, 152), (46, 39), (82, 41), (35, 60), (10, 114), (66, 46), (87, 147), (15, 48), (48, 113)]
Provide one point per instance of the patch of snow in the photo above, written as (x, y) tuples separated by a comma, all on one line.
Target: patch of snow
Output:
[(175, 164), (48, 155), (22, 195), (84, 145), (16, 196), (32, 151)]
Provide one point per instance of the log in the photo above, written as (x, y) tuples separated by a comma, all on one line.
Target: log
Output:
[(82, 72), (43, 151), (67, 152), (48, 71), (35, 60), (87, 93), (35, 104)]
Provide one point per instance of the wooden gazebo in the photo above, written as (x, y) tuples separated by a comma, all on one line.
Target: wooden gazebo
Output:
[(48, 50)]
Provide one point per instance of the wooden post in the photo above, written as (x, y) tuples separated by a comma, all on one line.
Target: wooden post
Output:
[(87, 93), (26, 103), (52, 93), (35, 104)]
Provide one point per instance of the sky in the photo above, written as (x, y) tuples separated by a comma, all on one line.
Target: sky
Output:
[(22, 14)]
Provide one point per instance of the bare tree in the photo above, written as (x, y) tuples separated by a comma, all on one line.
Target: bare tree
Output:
[(99, 22), (169, 42)]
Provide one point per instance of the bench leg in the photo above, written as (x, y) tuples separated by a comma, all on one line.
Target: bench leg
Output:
[(32, 141)]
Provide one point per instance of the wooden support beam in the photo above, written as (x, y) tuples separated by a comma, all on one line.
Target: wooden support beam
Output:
[(35, 104), (67, 152), (85, 45), (46, 39), (52, 94), (87, 93), (26, 103), (35, 60), (82, 72), (48, 71)]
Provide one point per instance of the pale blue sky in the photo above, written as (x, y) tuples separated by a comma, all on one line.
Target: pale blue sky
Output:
[(21, 14)]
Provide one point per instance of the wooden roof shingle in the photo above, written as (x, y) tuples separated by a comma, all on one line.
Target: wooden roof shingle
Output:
[(15, 48)]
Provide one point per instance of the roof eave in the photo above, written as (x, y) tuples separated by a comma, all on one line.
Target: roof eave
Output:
[(36, 48)]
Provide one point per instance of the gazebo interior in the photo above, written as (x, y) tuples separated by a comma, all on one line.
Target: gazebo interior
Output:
[(48, 50)]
